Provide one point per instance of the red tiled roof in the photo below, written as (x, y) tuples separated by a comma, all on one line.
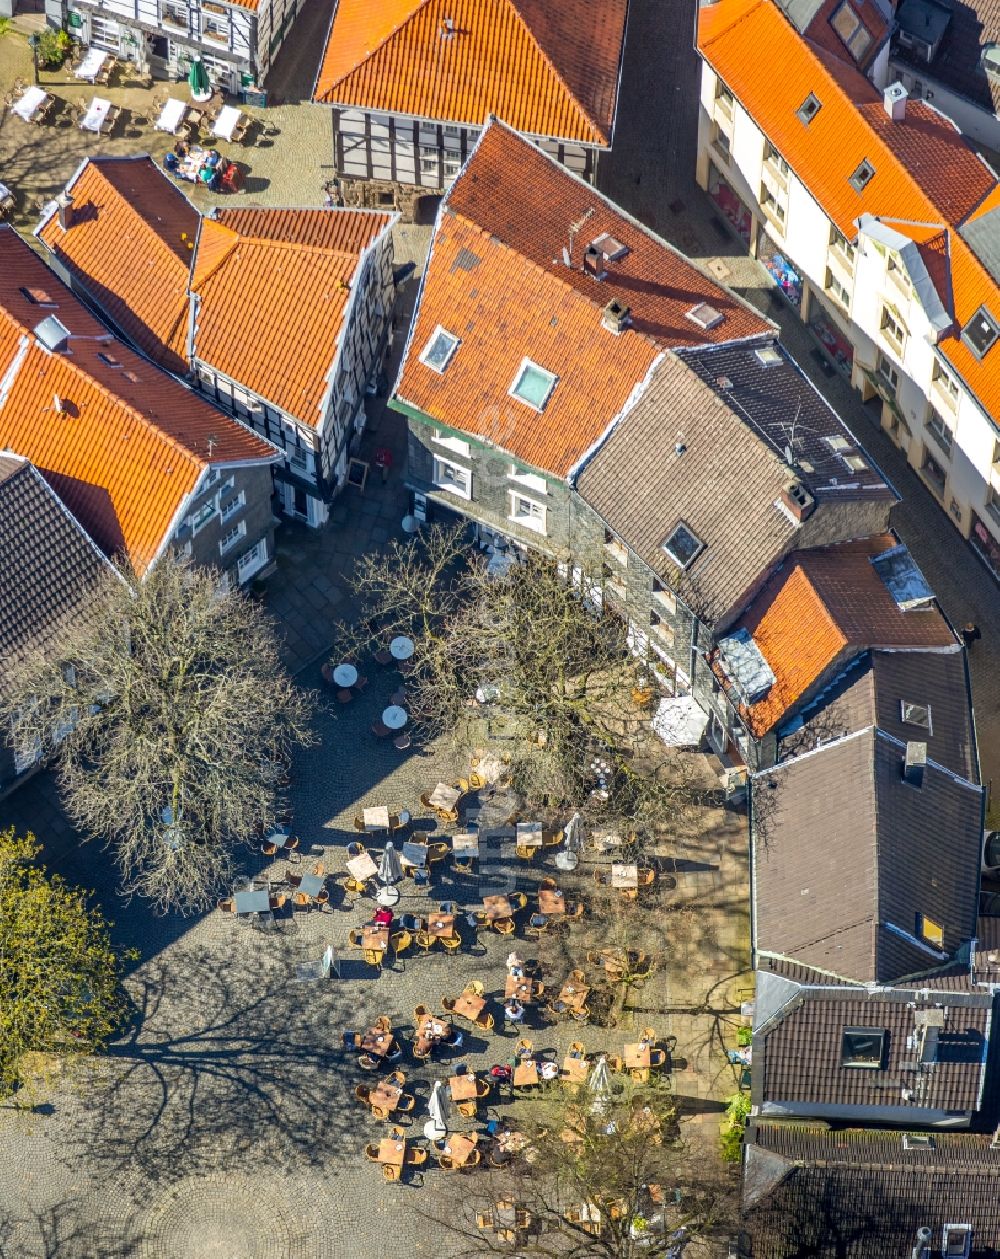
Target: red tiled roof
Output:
[(130, 243), (495, 279), (547, 67), (126, 443), (814, 608)]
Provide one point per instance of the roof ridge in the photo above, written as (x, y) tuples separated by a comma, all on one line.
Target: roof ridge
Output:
[(134, 213), (193, 266), (418, 5), (514, 4)]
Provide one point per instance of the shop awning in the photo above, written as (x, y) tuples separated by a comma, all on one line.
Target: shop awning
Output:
[(680, 722)]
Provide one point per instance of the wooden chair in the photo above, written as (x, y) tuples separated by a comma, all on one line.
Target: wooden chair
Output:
[(279, 901), (391, 1172), (448, 1005), (552, 839), (425, 800), (437, 852), (485, 1021), (474, 1159), (344, 695), (363, 1094), (476, 782), (227, 905), (371, 1153), (463, 865), (322, 897), (523, 1048), (576, 1050), (461, 785), (402, 742), (445, 1163), (374, 958), (483, 1089), (466, 1109), (419, 1012), (383, 657), (616, 1064), (421, 1052), (425, 940), (547, 885), (648, 1034), (577, 977), (354, 885), (359, 826), (398, 697), (301, 900), (380, 730), (406, 1103), (400, 941), (519, 900), (360, 683), (525, 854), (269, 850), (415, 1156), (383, 1023), (503, 926), (452, 944), (483, 1222), (475, 986), (657, 1057), (355, 937)]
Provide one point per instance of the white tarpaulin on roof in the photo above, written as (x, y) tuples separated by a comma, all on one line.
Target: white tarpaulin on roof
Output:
[(680, 722)]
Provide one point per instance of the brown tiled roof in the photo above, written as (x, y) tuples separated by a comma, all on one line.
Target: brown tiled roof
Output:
[(129, 245), (861, 1194), (797, 1058), (48, 564), (871, 690), (846, 855), (496, 280), (723, 487), (817, 612), (128, 443)]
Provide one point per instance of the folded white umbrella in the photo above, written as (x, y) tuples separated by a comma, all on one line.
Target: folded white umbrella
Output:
[(390, 868), (573, 841), (599, 1083), (437, 1107)]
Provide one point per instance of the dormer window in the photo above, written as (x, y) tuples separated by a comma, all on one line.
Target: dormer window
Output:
[(981, 332), (439, 350), (862, 177), (533, 385), (853, 34), (991, 61), (863, 1047), (956, 1241), (915, 714), (683, 546), (809, 108)]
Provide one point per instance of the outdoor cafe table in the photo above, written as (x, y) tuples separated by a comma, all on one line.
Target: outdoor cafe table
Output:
[(441, 926), (376, 819), (344, 675), (526, 1073), (636, 1057), (96, 115), (432, 1028), (311, 885), (624, 875), (362, 867), (497, 907), (391, 1151), (414, 855), (394, 717), (529, 835), (575, 1070), (171, 115), (572, 996), (465, 844), (278, 838), (401, 647), (444, 797), (469, 1006), (377, 1042), (252, 901), (463, 1087), (521, 987), (385, 1096), (551, 902), (375, 938), (91, 64), (29, 103), (459, 1147), (226, 123)]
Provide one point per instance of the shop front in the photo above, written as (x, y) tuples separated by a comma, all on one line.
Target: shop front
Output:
[(736, 214), (780, 268), (835, 343), (985, 545)]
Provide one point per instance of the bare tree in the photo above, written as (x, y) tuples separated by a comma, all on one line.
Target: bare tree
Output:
[(171, 719)]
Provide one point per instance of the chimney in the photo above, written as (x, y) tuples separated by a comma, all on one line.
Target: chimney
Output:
[(616, 317), (58, 405), (447, 27), (914, 764), (923, 1243), (894, 100), (797, 500), (593, 262), (64, 205)]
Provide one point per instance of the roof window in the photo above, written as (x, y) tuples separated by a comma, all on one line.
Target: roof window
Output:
[(610, 249), (991, 61), (956, 1241), (930, 931), (915, 714), (108, 358), (809, 108), (855, 462), (52, 333), (438, 351), (533, 385), (767, 356), (981, 332), (682, 545), (705, 316), (38, 297), (863, 1047), (918, 1141), (862, 177), (838, 443), (852, 32)]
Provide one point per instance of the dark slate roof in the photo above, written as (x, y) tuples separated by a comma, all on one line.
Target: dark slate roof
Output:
[(47, 562), (798, 1041), (723, 487), (846, 855), (871, 690), (809, 1193), (780, 404), (982, 235), (958, 64)]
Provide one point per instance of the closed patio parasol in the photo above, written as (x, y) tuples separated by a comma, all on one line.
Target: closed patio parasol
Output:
[(390, 868), (437, 1108), (201, 89)]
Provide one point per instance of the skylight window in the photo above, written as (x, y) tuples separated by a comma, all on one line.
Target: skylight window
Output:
[(705, 316), (981, 332), (915, 714), (809, 108), (38, 297), (862, 177), (533, 385), (862, 1047), (991, 61), (438, 351), (852, 32), (683, 546)]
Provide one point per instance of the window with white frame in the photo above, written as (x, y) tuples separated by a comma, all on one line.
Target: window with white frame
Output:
[(934, 473), (774, 159), (453, 478), (202, 516), (837, 290), (232, 536), (720, 138), (887, 370), (533, 385), (27, 748), (529, 480), (851, 30), (253, 560), (440, 349), (945, 383), (893, 328), (526, 512), (993, 504), (456, 445), (939, 430), (230, 509), (771, 206)]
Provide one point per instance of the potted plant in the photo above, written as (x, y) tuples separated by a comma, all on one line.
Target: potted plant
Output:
[(52, 47)]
